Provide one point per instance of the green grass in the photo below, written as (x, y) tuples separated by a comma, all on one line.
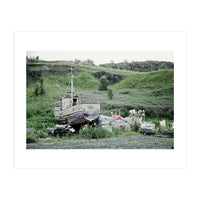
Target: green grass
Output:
[(137, 91), (157, 79), (84, 68), (40, 108), (94, 133), (85, 81)]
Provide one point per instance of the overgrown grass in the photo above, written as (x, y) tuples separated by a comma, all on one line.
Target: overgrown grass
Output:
[(33, 136), (99, 133), (157, 79), (85, 81), (94, 133), (152, 91), (40, 108), (85, 68)]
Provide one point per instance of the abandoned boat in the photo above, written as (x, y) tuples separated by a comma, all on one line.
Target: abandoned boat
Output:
[(71, 111)]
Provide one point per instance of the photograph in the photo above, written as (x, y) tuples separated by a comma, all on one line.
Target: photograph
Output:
[(100, 99)]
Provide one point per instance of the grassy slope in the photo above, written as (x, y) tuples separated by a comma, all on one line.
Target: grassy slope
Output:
[(40, 108), (85, 68), (157, 79), (136, 90)]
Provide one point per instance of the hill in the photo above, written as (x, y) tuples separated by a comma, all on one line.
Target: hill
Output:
[(152, 91), (157, 79), (140, 66)]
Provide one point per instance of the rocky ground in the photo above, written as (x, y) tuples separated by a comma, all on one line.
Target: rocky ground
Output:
[(128, 142)]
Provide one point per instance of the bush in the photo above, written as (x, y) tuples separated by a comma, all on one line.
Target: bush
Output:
[(117, 132), (104, 82), (158, 112), (94, 133), (39, 90), (41, 86), (36, 90), (110, 94), (42, 134), (31, 138)]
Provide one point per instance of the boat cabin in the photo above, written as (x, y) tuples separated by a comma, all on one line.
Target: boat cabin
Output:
[(69, 102)]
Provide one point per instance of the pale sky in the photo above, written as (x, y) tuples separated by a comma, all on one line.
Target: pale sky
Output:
[(101, 57)]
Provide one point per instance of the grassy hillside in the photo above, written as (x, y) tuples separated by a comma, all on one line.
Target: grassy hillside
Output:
[(157, 79), (150, 91), (65, 67), (141, 66), (40, 108)]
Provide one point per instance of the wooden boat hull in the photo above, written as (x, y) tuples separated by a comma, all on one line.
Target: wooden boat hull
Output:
[(78, 114)]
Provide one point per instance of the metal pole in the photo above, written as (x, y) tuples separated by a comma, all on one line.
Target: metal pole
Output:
[(72, 85)]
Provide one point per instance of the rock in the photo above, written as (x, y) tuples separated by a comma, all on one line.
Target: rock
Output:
[(163, 123), (28, 130), (147, 128)]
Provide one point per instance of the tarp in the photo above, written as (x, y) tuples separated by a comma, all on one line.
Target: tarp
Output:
[(117, 117)]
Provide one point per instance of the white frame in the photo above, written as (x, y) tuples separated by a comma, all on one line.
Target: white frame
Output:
[(100, 41)]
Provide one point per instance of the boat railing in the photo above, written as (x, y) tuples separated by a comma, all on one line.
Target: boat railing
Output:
[(58, 104)]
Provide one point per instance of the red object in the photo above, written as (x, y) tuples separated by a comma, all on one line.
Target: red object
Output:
[(117, 117)]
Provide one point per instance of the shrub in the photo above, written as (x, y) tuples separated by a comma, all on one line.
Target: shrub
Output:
[(110, 94), (36, 90), (94, 133), (104, 82), (158, 112), (31, 138), (41, 87), (117, 132), (42, 134), (39, 90)]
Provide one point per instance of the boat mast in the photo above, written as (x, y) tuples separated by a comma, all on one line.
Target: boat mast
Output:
[(72, 85)]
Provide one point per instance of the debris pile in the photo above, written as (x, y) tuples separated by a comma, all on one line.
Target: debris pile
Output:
[(60, 130), (131, 123), (147, 128)]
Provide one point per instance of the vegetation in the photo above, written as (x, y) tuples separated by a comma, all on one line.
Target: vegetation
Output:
[(33, 136), (157, 79), (39, 89), (110, 94), (88, 62), (104, 82), (145, 66), (152, 91), (94, 133), (32, 59), (85, 81)]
